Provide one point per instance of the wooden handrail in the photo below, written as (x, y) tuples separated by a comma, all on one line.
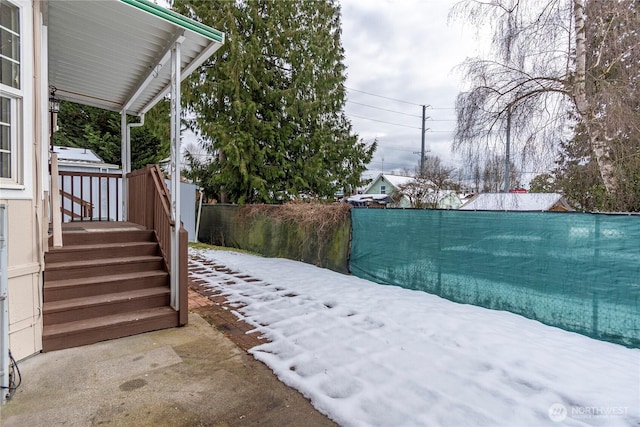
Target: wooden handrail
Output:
[(162, 191), (90, 174), (150, 206), (86, 206), (96, 193)]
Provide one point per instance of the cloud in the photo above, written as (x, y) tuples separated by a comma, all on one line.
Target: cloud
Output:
[(405, 50)]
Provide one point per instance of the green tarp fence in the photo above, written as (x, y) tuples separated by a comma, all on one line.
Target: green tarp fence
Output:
[(579, 272)]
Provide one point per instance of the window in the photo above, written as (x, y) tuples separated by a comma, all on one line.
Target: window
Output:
[(9, 45), (383, 189), (11, 93), (6, 169)]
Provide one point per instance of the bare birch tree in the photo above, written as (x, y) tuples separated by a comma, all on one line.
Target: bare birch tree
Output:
[(427, 188), (538, 78)]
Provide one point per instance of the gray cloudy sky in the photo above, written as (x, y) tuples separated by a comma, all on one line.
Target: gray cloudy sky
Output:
[(406, 50)]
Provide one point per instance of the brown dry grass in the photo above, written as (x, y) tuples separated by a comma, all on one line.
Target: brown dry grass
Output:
[(319, 220), (320, 216)]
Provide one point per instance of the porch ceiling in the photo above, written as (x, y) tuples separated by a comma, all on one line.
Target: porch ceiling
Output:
[(115, 54)]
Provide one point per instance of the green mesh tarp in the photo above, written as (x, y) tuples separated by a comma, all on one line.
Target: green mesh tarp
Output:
[(579, 272)]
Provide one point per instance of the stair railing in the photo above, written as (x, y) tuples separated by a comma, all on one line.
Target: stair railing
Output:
[(90, 196), (86, 208), (149, 206)]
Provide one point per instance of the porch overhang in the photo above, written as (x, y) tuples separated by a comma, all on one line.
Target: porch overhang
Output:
[(115, 54), (125, 56)]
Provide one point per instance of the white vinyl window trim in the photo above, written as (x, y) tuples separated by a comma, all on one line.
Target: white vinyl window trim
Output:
[(11, 120), (10, 44), (9, 137)]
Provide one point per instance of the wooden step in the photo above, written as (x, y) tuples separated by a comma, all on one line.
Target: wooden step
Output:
[(82, 332), (103, 284), (56, 290), (72, 238), (75, 309), (101, 250), (101, 267)]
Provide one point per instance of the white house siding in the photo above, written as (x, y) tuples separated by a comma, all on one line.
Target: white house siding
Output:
[(24, 198), (24, 274), (390, 183)]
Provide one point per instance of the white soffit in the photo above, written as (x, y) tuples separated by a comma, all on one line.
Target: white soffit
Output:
[(114, 54)]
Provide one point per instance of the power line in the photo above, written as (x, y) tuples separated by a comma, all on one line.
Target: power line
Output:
[(386, 147), (382, 121), (384, 109), (397, 100), (382, 96)]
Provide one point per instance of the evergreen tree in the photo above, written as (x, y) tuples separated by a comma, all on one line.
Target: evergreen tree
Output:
[(82, 126), (269, 106)]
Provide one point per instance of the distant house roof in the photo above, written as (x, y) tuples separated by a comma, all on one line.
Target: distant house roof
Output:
[(395, 180), (81, 157), (77, 154), (517, 202)]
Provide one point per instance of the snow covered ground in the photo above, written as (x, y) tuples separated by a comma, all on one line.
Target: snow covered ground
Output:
[(373, 355)]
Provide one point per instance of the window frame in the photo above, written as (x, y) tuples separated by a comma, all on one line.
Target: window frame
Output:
[(20, 50), (15, 180), (15, 176)]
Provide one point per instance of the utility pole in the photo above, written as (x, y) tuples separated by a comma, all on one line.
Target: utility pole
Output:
[(507, 161), (424, 119)]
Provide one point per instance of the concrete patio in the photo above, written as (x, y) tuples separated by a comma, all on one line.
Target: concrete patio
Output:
[(189, 376)]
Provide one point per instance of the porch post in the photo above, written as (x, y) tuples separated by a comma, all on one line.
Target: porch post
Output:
[(125, 154), (56, 213), (175, 174)]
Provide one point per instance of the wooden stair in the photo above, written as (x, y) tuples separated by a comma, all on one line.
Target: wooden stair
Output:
[(103, 285)]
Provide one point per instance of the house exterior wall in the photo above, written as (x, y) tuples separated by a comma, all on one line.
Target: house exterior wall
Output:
[(403, 203), (450, 201), (376, 187), (24, 197), (24, 274), (383, 186)]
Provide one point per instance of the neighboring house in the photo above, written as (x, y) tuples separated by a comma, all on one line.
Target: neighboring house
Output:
[(448, 200), (517, 202), (82, 160), (119, 55), (386, 184)]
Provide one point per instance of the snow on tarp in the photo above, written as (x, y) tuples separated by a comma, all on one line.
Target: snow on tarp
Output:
[(373, 355)]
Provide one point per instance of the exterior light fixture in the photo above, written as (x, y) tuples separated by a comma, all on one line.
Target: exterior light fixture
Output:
[(54, 109), (54, 103)]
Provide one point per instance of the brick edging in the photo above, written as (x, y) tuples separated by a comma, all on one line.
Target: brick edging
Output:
[(212, 306)]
